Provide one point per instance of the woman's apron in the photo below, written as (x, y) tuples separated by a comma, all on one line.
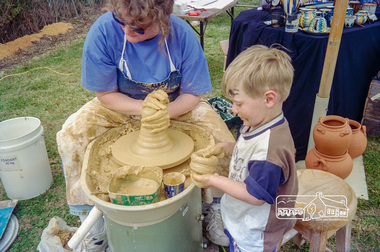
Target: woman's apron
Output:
[(139, 90)]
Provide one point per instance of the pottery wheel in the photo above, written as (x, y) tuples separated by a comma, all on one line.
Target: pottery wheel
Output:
[(177, 149), (155, 144)]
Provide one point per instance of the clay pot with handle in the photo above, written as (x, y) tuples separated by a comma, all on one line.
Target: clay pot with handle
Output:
[(332, 135), (359, 139), (340, 165)]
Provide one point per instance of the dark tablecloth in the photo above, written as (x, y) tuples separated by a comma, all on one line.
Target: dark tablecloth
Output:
[(358, 62)]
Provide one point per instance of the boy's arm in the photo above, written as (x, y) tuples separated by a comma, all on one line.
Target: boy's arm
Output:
[(234, 188)]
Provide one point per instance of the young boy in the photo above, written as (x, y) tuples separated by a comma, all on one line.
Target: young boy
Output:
[(262, 165)]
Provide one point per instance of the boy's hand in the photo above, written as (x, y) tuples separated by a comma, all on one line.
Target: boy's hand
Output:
[(202, 181), (228, 148), (204, 163)]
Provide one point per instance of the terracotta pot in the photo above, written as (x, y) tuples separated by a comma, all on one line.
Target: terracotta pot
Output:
[(359, 139), (340, 165), (332, 135)]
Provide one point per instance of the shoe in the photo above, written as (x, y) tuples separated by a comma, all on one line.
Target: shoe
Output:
[(215, 228), (93, 243), (208, 209), (207, 212)]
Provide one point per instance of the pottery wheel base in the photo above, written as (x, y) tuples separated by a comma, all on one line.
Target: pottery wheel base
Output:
[(182, 148)]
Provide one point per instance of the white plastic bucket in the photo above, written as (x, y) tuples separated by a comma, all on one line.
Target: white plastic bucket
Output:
[(24, 165)]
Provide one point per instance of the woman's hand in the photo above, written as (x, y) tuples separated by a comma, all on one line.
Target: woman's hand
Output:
[(122, 103), (155, 114)]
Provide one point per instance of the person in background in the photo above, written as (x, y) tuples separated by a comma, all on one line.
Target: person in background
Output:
[(262, 166), (130, 51)]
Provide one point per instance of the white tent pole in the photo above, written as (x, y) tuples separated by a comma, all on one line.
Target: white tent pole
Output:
[(322, 98)]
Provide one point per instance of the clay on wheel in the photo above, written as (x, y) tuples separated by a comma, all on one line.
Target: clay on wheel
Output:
[(154, 144)]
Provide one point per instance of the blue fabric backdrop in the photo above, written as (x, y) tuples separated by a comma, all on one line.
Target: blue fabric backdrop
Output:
[(358, 62)]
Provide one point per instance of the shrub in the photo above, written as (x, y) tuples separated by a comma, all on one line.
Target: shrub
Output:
[(23, 17)]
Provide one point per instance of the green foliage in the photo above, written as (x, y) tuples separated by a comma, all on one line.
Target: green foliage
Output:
[(10, 9), (24, 17)]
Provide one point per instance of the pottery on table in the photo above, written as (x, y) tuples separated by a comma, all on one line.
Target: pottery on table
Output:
[(350, 11), (349, 21), (332, 135), (354, 5), (331, 13), (340, 165), (361, 17), (359, 139), (327, 14), (306, 17), (370, 8), (318, 24)]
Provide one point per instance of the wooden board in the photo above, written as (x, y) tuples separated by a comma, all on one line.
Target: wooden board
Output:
[(318, 189)]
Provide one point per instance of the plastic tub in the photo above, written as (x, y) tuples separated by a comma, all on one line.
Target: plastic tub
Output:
[(24, 165)]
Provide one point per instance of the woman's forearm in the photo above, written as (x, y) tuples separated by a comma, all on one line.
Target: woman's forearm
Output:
[(119, 102), (183, 104)]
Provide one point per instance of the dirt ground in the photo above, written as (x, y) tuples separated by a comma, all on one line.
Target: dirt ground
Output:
[(47, 40)]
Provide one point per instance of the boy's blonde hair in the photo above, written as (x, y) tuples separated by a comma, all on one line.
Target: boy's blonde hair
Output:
[(260, 69)]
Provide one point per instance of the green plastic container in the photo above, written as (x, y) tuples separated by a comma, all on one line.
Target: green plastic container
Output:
[(223, 108)]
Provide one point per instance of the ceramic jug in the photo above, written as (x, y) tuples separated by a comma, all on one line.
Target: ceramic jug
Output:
[(354, 5), (331, 13), (340, 165), (332, 135), (318, 24), (307, 16), (370, 8), (349, 21), (359, 139), (361, 17), (350, 11), (327, 14)]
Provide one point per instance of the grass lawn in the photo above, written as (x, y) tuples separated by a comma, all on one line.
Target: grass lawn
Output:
[(52, 97)]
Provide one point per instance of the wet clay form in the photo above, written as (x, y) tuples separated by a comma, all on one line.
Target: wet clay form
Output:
[(154, 144)]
